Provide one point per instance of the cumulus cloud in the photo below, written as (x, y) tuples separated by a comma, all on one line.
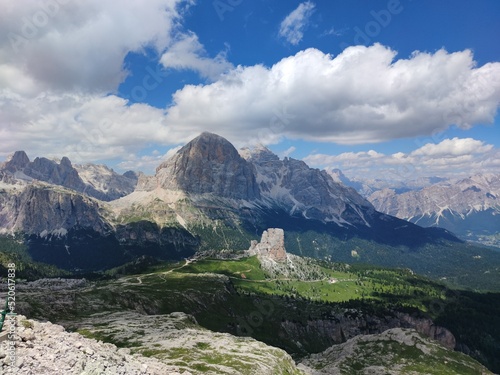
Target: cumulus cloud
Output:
[(453, 148), (363, 95), (448, 158), (147, 163), (61, 61), (80, 45), (293, 26), (82, 127), (187, 53)]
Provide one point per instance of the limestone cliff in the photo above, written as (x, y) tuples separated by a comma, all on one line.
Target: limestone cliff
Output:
[(209, 164), (271, 245), (39, 209)]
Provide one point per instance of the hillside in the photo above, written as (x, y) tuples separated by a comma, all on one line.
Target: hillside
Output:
[(306, 310)]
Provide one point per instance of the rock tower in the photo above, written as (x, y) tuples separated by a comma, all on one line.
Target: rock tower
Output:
[(271, 245)]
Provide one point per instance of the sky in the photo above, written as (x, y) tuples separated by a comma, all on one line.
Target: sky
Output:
[(393, 89)]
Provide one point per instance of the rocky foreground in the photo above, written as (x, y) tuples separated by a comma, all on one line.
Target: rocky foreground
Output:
[(174, 344), (162, 344), (45, 348)]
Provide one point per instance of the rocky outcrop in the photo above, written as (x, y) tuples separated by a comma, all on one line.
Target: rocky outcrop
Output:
[(271, 245), (171, 344), (16, 162), (429, 329), (47, 349), (104, 183), (62, 173), (344, 326), (209, 164), (395, 351)]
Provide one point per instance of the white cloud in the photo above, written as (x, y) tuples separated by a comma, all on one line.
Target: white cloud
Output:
[(189, 54), (453, 148), (80, 45), (361, 96), (449, 158), (82, 127), (61, 59), (59, 62), (290, 150), (146, 163), (293, 26)]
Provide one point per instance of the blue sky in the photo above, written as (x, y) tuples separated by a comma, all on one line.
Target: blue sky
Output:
[(395, 89)]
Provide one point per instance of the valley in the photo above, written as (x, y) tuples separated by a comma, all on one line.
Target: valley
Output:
[(307, 309)]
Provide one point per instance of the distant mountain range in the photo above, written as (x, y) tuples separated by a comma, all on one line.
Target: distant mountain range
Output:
[(469, 207), (97, 181), (210, 196)]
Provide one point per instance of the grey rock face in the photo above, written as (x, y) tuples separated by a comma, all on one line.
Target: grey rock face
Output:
[(306, 191), (44, 210), (93, 180), (16, 162), (209, 164), (46, 349), (170, 344), (104, 183), (62, 174), (271, 245), (469, 207), (351, 324), (478, 192)]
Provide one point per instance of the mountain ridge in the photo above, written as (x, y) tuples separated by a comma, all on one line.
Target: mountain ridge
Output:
[(468, 207), (191, 205)]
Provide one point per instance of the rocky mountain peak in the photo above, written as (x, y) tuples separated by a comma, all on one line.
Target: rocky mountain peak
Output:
[(208, 147), (96, 181), (65, 162), (17, 161), (50, 171), (209, 164), (258, 154)]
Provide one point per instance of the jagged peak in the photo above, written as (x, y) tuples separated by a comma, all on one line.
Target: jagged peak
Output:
[(16, 161), (18, 155), (65, 162), (258, 153)]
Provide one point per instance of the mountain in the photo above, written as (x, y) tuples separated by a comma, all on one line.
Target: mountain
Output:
[(209, 196), (366, 187), (209, 164), (171, 344), (305, 192), (93, 180), (110, 184), (470, 207)]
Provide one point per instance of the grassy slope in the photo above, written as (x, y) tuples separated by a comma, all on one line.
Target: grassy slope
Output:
[(239, 297)]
